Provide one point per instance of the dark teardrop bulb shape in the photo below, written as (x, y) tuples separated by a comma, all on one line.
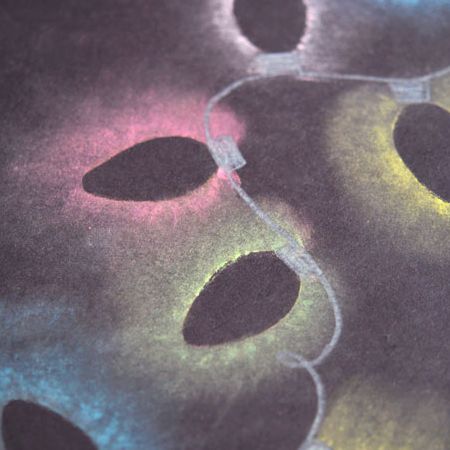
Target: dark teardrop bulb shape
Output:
[(29, 426), (243, 299), (422, 139), (158, 169), (271, 25)]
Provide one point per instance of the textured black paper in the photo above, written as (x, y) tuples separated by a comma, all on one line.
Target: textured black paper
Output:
[(143, 304)]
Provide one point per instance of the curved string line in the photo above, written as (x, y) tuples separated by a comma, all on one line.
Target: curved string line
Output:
[(321, 406), (272, 224), (307, 365), (356, 77), (316, 269), (302, 362), (338, 321), (225, 92)]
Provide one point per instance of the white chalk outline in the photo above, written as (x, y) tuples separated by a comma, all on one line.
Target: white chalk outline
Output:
[(307, 266)]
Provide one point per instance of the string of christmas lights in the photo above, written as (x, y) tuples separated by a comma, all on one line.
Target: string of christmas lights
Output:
[(228, 157)]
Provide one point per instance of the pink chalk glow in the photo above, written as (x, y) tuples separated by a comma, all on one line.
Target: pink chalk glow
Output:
[(98, 132)]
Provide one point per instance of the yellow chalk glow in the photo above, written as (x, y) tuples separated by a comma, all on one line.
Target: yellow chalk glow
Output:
[(370, 415), (163, 283), (361, 146)]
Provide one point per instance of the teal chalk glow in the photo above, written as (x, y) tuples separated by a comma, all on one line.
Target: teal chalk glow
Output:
[(60, 374), (52, 380)]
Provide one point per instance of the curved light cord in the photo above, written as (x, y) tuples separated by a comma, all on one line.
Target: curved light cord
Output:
[(301, 362), (308, 264)]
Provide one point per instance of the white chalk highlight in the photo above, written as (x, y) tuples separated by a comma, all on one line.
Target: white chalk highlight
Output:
[(227, 155), (411, 91), (274, 64), (404, 90)]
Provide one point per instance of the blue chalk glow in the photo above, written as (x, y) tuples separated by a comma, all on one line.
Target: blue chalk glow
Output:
[(71, 399), (56, 370)]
